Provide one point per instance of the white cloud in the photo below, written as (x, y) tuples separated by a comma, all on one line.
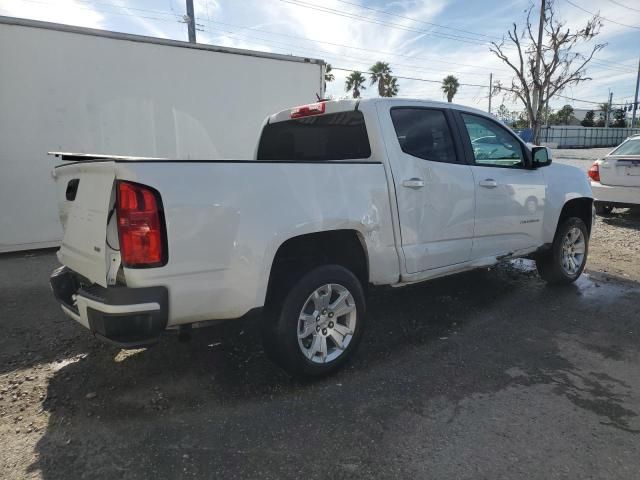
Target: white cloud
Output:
[(70, 12)]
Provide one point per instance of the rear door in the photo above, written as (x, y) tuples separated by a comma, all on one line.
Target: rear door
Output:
[(84, 194), (434, 187), (622, 166), (509, 196)]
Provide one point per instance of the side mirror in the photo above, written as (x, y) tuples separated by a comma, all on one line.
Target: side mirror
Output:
[(541, 157)]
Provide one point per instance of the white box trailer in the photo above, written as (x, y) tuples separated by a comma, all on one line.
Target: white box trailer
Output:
[(65, 88)]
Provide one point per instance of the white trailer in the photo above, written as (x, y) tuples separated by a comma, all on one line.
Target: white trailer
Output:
[(65, 88)]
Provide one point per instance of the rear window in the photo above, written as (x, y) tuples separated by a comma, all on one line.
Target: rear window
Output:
[(630, 147), (335, 136)]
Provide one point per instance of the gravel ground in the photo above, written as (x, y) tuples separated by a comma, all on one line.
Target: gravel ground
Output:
[(489, 374), (616, 239), (615, 244)]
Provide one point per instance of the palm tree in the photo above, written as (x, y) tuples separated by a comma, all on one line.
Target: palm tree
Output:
[(328, 75), (391, 89), (450, 86), (603, 107), (380, 73), (355, 83)]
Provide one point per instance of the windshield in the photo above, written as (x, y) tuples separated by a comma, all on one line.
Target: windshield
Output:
[(630, 147)]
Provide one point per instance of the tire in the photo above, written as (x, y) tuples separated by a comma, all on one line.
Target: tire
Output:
[(317, 320), (603, 209), (553, 266)]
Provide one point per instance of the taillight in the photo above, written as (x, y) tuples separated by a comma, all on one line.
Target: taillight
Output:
[(594, 172), (308, 110), (140, 226)]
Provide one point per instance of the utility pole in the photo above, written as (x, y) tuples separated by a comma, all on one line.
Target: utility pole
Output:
[(191, 22), (606, 124), (491, 90), (635, 102), (536, 80)]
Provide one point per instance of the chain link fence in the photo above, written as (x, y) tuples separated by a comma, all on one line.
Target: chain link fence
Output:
[(561, 136)]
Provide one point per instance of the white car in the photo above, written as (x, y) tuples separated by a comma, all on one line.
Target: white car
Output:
[(615, 179), (340, 195)]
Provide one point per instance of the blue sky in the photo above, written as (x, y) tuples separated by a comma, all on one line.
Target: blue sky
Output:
[(419, 38)]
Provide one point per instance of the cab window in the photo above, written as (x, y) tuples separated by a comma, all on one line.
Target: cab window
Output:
[(492, 145), (424, 133)]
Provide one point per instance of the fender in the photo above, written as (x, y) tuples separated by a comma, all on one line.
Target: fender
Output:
[(564, 183)]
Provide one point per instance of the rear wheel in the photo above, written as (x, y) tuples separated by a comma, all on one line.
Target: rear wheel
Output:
[(565, 261), (318, 323)]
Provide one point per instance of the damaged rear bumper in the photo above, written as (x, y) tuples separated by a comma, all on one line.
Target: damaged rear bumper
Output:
[(126, 317)]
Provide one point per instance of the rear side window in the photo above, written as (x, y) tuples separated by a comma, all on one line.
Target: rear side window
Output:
[(335, 136), (424, 133)]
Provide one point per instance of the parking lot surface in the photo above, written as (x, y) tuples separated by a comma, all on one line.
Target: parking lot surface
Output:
[(490, 374), (581, 158)]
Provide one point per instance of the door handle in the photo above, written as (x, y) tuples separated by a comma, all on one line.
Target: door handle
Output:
[(488, 183), (413, 183)]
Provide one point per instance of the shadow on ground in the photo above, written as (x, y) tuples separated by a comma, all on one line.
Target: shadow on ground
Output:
[(34, 330), (215, 407), (625, 218)]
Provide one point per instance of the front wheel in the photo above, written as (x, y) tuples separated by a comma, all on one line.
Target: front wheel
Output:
[(565, 261), (319, 322)]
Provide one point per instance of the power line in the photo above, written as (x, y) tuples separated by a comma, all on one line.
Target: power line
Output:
[(600, 16), (608, 67), (370, 50), (178, 18), (125, 7), (332, 11), (328, 55), (103, 11), (428, 80), (244, 27), (583, 101), (301, 3), (384, 12), (304, 38), (417, 79), (624, 6), (621, 63)]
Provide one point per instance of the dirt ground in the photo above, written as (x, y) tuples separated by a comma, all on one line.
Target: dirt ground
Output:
[(615, 244), (489, 374)]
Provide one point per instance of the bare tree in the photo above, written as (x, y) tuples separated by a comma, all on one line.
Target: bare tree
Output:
[(560, 65)]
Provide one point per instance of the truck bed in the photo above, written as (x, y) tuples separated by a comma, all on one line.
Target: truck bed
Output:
[(225, 220)]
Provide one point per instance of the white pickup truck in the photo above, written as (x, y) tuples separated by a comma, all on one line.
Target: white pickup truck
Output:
[(341, 195)]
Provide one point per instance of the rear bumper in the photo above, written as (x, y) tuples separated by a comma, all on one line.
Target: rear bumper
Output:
[(126, 317), (615, 194)]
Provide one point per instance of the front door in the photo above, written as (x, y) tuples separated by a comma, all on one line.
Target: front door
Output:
[(509, 196), (434, 187)]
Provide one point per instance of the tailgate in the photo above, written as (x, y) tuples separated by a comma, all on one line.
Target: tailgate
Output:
[(620, 171), (84, 193)]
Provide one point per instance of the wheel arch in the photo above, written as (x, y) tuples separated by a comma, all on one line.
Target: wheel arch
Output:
[(299, 254), (580, 207)]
